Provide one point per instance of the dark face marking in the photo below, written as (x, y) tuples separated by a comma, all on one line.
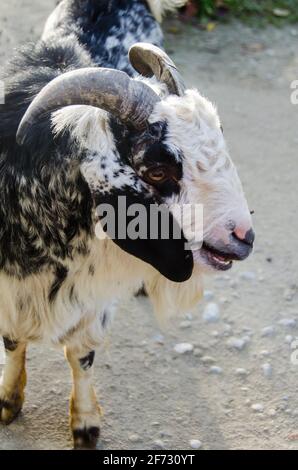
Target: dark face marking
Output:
[(9, 344), (87, 361), (60, 276), (167, 255)]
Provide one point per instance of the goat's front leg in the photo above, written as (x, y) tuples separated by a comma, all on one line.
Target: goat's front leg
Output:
[(13, 380), (84, 410)]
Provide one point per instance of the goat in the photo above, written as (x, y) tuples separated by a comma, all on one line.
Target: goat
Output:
[(82, 125)]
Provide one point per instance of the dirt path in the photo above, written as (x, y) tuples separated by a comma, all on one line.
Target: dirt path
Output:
[(223, 396)]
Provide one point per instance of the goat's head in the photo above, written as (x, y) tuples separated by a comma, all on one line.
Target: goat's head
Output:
[(168, 148)]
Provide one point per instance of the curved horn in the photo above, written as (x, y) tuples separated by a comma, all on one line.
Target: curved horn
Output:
[(149, 60), (130, 100)]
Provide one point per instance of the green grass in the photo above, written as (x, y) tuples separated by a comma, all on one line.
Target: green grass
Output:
[(253, 11)]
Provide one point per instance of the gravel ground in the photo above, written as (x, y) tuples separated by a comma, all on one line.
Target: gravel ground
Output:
[(234, 386)]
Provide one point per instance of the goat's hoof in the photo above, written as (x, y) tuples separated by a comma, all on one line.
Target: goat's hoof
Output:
[(9, 409), (86, 438)]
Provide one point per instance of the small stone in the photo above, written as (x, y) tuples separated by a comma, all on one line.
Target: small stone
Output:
[(241, 372), (257, 407), (268, 331), (288, 322), (267, 369), (237, 343), (195, 444), (290, 293), (216, 370), (182, 348), (271, 412), (134, 438), (207, 360), (211, 313), (155, 423), (289, 339), (208, 295), (264, 353), (234, 284), (248, 276), (159, 444)]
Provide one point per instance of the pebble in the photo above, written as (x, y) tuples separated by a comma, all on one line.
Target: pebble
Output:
[(289, 339), (257, 407), (216, 370), (211, 313), (289, 293), (159, 444), (182, 348), (289, 322), (267, 369), (264, 353), (134, 438), (237, 343), (207, 360), (195, 444), (248, 276), (208, 295), (234, 284), (241, 372), (271, 412), (268, 331)]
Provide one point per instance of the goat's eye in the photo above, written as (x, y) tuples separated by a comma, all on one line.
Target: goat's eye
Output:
[(156, 175)]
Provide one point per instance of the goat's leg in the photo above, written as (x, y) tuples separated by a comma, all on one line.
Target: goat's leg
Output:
[(13, 381), (84, 410)]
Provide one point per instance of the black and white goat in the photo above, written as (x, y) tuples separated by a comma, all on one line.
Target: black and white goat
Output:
[(74, 135)]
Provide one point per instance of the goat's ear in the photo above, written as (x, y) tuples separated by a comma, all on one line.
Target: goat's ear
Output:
[(168, 255)]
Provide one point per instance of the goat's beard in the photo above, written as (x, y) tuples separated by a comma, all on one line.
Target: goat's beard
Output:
[(171, 298)]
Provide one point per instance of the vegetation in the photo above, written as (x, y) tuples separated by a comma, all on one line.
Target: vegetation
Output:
[(273, 11)]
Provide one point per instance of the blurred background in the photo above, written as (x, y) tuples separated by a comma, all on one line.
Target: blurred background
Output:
[(236, 384)]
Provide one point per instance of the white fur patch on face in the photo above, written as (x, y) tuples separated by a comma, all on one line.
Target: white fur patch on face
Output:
[(209, 176), (102, 168)]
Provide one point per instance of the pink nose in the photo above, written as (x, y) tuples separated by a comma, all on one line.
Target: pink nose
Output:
[(244, 235)]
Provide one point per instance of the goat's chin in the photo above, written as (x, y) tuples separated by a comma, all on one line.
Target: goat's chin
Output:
[(172, 298)]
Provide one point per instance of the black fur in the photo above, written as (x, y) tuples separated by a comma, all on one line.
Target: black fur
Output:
[(60, 276), (87, 361), (9, 344)]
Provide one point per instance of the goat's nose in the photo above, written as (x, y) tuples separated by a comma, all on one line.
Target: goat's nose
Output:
[(244, 236)]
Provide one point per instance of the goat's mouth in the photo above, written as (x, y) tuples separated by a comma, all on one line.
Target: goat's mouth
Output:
[(214, 257)]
